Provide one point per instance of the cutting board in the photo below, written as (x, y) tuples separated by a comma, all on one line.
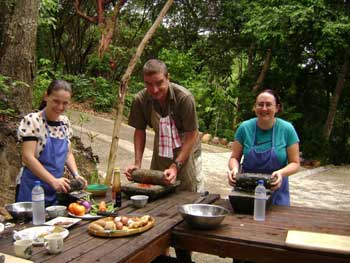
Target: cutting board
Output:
[(318, 241), (12, 259)]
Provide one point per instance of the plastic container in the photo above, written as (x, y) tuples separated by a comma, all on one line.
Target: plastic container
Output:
[(38, 204), (260, 201)]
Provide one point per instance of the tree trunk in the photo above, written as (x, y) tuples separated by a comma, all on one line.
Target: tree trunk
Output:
[(334, 100), (17, 50), (264, 70), (250, 59), (123, 89)]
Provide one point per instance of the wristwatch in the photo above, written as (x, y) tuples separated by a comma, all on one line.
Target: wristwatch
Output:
[(178, 165)]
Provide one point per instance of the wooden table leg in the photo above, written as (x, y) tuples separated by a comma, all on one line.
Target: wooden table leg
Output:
[(183, 256)]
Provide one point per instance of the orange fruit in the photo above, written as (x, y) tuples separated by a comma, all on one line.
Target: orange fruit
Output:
[(76, 209)]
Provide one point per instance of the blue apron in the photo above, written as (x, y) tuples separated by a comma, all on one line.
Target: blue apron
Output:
[(267, 162), (53, 158)]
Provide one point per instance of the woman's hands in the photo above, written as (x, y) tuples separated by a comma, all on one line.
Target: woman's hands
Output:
[(61, 185), (231, 176), (276, 180), (83, 180)]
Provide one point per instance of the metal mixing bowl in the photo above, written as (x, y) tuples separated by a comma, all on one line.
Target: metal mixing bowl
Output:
[(20, 210), (203, 216)]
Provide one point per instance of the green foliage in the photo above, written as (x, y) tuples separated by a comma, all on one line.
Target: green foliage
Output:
[(47, 11), (6, 85), (45, 75), (99, 91), (216, 49)]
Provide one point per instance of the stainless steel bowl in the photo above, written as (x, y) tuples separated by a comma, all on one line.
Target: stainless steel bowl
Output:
[(20, 210), (203, 216), (139, 200), (56, 210)]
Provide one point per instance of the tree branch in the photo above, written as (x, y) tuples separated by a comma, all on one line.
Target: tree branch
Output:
[(82, 14)]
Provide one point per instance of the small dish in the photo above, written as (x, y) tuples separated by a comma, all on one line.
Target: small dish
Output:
[(62, 221), (139, 201), (56, 210)]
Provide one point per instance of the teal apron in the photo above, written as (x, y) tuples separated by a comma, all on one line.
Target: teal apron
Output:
[(53, 158), (267, 162)]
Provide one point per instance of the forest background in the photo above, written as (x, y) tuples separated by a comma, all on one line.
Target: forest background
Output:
[(223, 51)]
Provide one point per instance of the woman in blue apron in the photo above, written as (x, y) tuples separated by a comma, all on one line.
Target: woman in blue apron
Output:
[(45, 135), (268, 145)]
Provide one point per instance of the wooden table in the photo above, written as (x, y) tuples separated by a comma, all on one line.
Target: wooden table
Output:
[(80, 246), (241, 237)]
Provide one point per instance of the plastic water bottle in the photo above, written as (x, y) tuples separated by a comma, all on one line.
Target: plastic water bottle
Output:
[(38, 204), (260, 201)]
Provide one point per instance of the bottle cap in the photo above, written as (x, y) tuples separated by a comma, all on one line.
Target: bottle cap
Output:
[(37, 183), (261, 181)]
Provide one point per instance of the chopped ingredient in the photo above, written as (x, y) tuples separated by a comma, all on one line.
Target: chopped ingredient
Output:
[(144, 185)]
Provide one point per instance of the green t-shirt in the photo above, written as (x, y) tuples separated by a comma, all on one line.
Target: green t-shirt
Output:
[(285, 136), (180, 103)]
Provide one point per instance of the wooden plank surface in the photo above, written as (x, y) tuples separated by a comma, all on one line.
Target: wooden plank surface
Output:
[(80, 246), (318, 241), (241, 237)]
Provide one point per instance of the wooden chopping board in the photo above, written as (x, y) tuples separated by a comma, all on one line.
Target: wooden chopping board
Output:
[(12, 259), (318, 241)]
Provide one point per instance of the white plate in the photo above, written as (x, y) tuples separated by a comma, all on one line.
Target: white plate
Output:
[(86, 216), (66, 222), (37, 233)]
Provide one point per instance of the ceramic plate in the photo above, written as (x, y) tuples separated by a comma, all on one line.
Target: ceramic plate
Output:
[(62, 221), (86, 216), (38, 233)]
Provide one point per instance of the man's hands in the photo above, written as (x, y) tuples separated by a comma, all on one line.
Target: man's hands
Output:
[(129, 170), (170, 174)]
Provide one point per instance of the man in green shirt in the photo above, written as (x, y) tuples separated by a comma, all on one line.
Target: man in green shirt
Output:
[(170, 110)]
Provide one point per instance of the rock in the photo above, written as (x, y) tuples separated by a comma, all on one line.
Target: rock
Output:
[(215, 140), (206, 138), (223, 141)]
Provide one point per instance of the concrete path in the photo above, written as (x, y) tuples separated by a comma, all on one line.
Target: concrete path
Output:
[(323, 187)]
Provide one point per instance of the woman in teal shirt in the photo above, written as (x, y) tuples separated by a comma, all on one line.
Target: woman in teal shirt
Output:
[(269, 145)]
